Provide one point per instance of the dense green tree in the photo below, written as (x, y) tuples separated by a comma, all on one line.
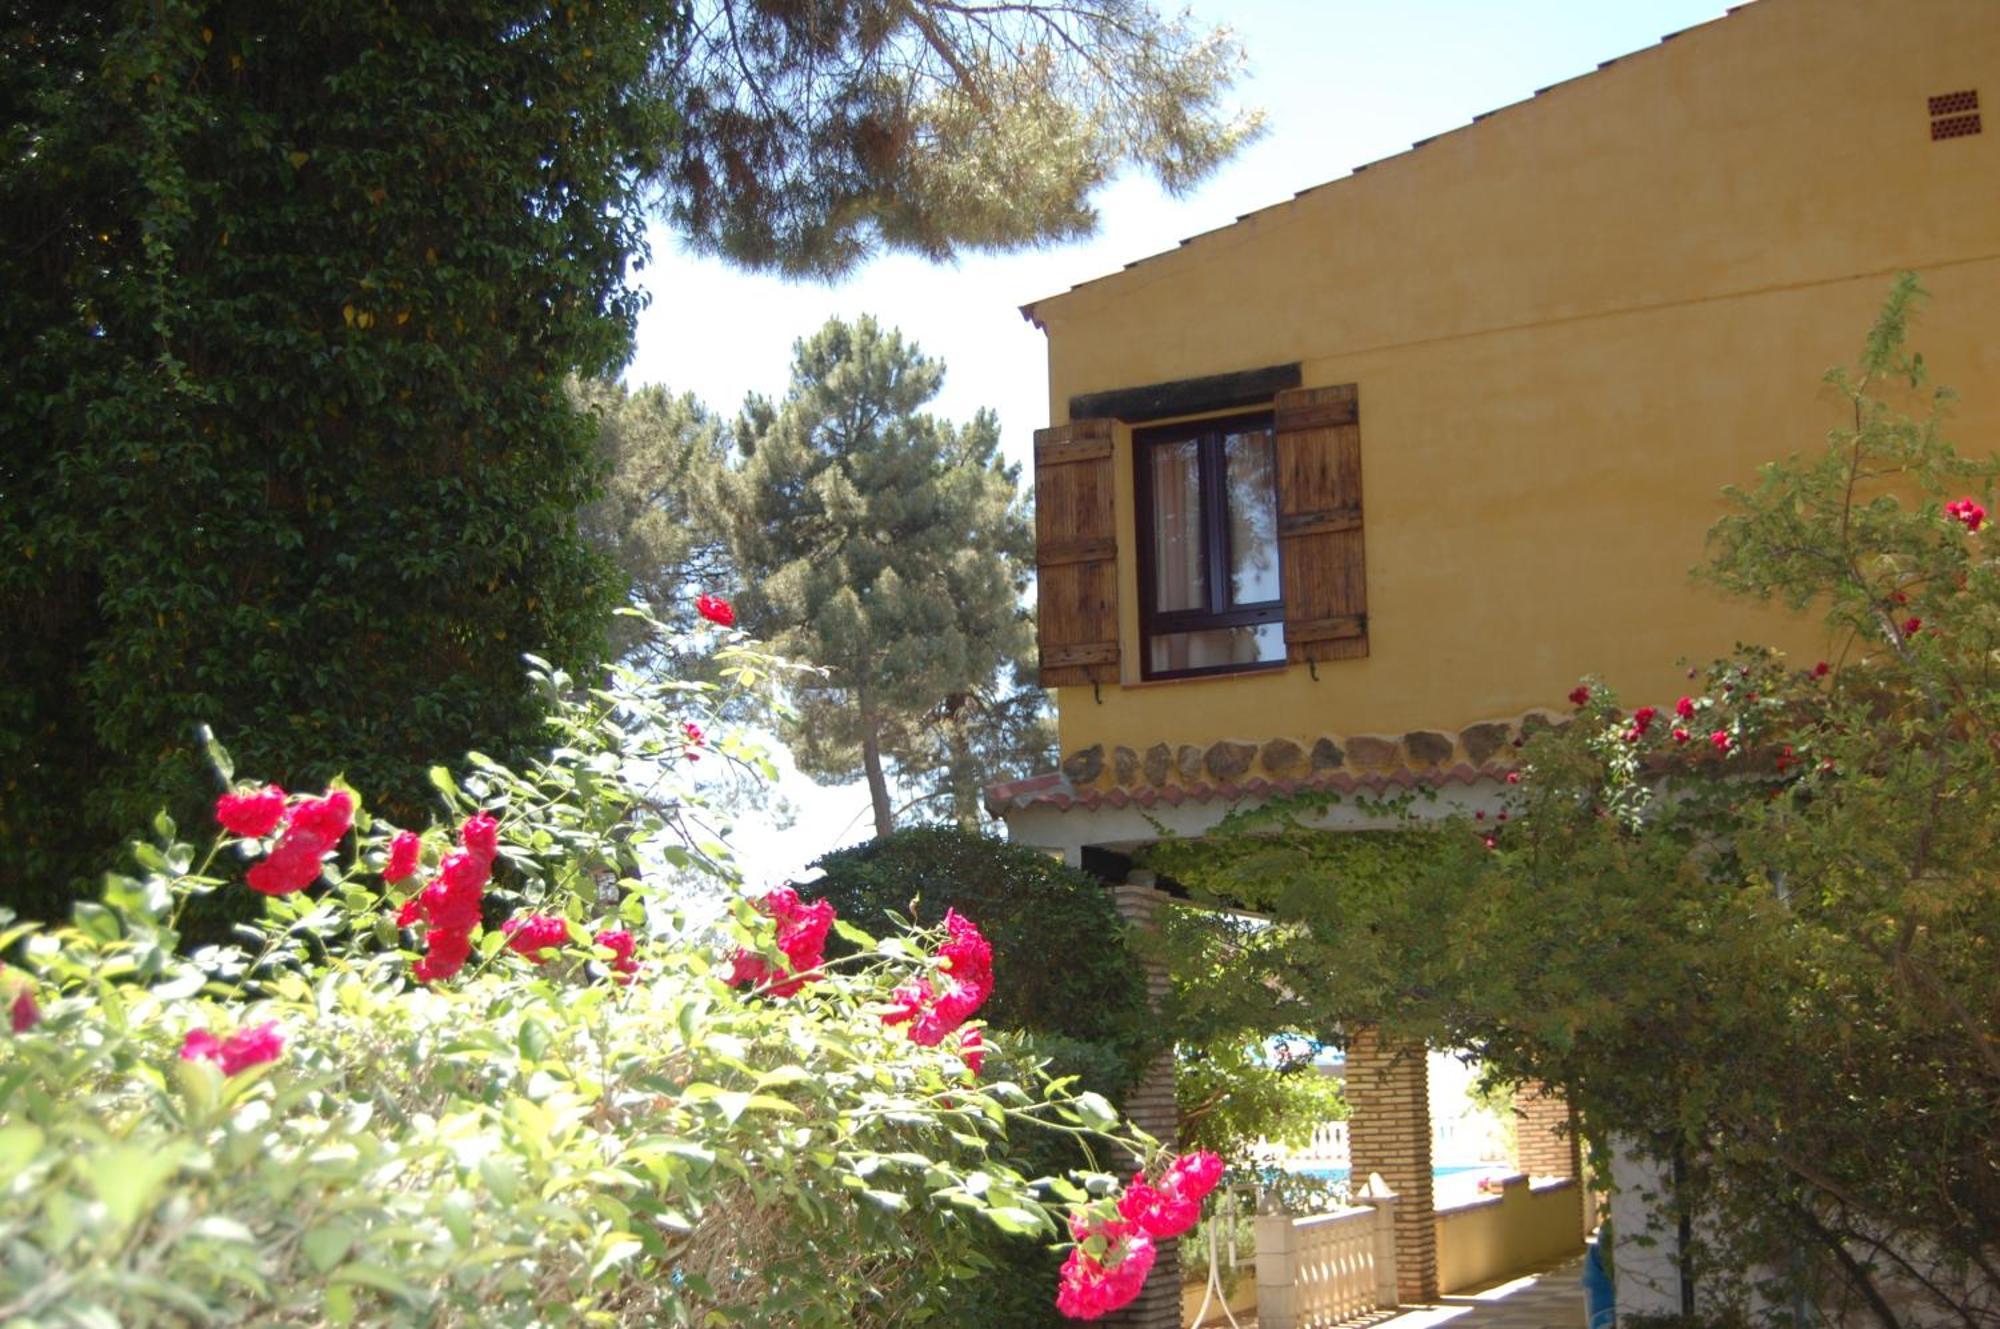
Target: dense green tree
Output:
[(656, 519), (880, 543), (290, 293)]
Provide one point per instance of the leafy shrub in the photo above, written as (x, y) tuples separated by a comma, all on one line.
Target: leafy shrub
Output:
[(566, 1131), (1064, 982), (1059, 953)]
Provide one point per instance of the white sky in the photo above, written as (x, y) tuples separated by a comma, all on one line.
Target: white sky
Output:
[(1341, 82)]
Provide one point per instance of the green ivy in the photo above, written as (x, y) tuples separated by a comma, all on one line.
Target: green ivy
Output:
[(290, 295)]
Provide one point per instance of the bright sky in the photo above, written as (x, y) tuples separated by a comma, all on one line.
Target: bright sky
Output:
[(1341, 82)]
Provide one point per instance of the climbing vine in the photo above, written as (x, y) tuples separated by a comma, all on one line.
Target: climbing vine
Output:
[(290, 293)]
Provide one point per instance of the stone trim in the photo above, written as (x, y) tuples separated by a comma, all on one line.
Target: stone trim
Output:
[(1162, 766)]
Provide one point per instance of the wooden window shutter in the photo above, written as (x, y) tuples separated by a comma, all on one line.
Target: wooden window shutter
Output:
[(1076, 554), (1319, 523)]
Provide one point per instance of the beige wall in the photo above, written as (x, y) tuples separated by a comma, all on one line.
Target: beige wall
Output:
[(1522, 1229), (1570, 325)]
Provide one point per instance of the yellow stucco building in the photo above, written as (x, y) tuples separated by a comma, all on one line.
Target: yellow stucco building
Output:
[(1345, 492), (1568, 325)]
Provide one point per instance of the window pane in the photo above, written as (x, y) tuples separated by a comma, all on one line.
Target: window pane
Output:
[(1252, 497), (1179, 572), (1217, 647)]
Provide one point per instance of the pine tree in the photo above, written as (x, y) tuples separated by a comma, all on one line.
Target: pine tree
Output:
[(817, 133), (656, 520), (884, 545)]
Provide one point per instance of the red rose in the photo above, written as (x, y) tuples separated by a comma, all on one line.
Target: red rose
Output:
[(1720, 740), (1967, 513), (621, 944), (1684, 708), (1912, 626), (1090, 1288), (715, 609), (237, 1053), (531, 934), (251, 813), (324, 819), (1681, 735), (1579, 696), (403, 854), (802, 930), (480, 835), (972, 1048), (22, 1013), (291, 866), (1822, 669)]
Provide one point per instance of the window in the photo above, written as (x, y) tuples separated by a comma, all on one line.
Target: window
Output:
[(1209, 592)]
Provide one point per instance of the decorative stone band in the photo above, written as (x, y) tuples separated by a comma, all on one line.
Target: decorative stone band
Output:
[(1233, 768)]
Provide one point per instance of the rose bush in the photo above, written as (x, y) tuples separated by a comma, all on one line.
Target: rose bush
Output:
[(543, 1063)]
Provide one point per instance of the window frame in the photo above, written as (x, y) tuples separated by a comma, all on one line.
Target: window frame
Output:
[(1219, 612)]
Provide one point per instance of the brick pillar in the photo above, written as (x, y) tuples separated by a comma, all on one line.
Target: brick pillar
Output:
[(1389, 1132), (1547, 1144), (1149, 1105)]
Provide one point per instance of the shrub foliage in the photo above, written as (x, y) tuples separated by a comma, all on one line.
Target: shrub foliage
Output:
[(293, 1131)]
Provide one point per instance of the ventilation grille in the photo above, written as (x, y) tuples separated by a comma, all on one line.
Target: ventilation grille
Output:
[(1954, 114)]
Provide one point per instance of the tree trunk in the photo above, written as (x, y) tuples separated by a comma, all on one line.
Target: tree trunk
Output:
[(878, 784)]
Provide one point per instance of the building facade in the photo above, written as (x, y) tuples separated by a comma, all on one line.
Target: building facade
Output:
[(1349, 492)]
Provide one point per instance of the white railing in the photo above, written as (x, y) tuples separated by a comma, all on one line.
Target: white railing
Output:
[(1326, 1148), (1454, 1142), (1319, 1271)]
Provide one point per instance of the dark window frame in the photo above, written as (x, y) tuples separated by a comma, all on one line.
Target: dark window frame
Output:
[(1219, 612)]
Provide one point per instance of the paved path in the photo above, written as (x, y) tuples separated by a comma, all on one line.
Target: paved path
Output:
[(1551, 1299)]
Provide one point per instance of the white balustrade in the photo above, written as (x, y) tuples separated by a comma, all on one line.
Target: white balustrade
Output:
[(1322, 1270)]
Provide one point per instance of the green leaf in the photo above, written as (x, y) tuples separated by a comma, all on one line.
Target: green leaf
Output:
[(218, 756), (219, 1227), (127, 1177), (853, 935), (19, 1143), (1021, 1222), (623, 1247), (1095, 1110), (327, 1245), (382, 1280)]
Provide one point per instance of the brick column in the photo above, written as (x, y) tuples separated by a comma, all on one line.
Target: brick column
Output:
[(1547, 1144), (1389, 1132), (1544, 1143), (1149, 1105)]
